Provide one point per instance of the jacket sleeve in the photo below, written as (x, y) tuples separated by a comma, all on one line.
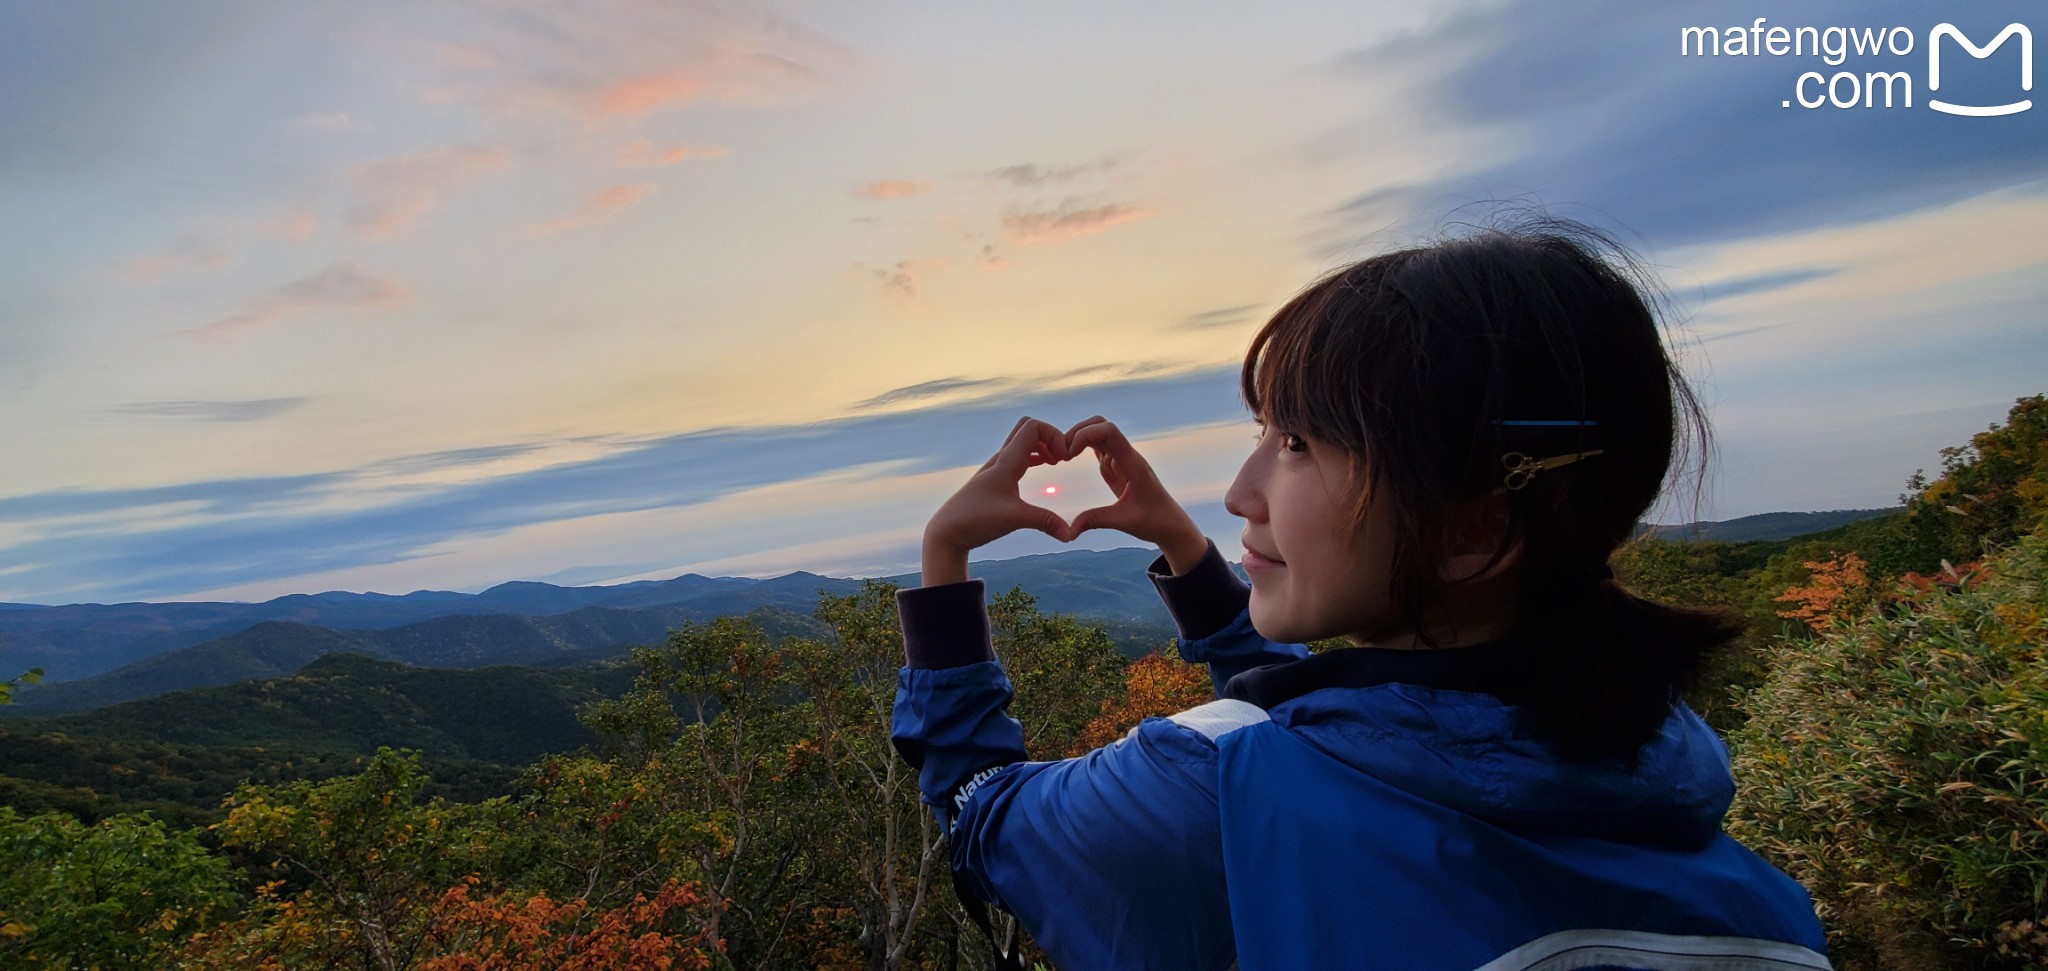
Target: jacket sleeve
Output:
[(1212, 609), (1110, 860)]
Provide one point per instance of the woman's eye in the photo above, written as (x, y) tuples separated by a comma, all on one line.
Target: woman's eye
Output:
[(1294, 443)]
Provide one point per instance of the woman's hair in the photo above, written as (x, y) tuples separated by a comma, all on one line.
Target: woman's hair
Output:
[(1416, 361)]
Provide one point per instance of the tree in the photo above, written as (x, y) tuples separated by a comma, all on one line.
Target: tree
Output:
[(121, 893), (368, 859)]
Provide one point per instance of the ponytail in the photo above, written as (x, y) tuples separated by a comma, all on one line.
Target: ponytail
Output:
[(1610, 666)]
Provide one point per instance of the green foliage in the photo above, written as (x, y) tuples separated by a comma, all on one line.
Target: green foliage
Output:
[(1898, 766), (1991, 492), (367, 855), (31, 676), (118, 894)]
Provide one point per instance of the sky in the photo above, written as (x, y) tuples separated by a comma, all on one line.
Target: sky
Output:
[(386, 296)]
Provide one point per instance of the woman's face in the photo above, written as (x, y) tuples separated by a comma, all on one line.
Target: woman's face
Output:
[(1312, 575)]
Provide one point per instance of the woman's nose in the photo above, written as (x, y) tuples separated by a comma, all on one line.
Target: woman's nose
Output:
[(1245, 498)]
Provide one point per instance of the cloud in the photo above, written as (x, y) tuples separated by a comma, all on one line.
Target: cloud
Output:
[(942, 387), (1032, 175), (1591, 104), (342, 286), (1221, 317), (901, 284), (643, 154), (608, 202), (894, 189), (200, 251), (276, 528), (1067, 222), (989, 259), (607, 63), (217, 411), (389, 194)]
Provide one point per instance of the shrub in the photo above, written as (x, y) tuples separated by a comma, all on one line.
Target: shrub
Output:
[(1895, 764)]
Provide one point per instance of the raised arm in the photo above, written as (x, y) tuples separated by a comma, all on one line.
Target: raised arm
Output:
[(1211, 609), (1110, 860)]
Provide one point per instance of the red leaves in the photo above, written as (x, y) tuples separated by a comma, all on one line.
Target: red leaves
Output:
[(1154, 685), (541, 934)]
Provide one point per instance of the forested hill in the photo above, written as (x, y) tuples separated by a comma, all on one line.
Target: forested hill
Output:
[(272, 649), (1769, 525), (179, 753)]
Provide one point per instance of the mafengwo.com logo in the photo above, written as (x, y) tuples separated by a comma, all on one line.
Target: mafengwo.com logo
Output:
[(1896, 67)]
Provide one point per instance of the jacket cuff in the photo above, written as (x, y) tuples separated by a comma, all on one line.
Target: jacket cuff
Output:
[(1203, 600), (944, 626)]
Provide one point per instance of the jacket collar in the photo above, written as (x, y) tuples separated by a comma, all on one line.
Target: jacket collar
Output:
[(1499, 668)]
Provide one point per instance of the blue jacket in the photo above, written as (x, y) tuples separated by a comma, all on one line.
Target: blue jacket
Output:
[(1359, 808)]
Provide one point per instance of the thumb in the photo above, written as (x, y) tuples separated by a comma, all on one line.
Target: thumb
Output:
[(1045, 521), (1100, 517)]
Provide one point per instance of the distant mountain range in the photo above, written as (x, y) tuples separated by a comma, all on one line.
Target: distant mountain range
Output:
[(1764, 526), (95, 654)]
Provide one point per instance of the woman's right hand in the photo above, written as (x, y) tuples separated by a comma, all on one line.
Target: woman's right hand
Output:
[(1143, 508)]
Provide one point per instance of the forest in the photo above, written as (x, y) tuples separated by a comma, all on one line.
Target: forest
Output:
[(728, 798)]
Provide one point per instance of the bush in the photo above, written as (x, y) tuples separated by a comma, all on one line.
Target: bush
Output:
[(1895, 765), (121, 893)]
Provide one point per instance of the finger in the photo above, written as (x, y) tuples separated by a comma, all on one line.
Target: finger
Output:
[(1100, 517), (1077, 426), (1111, 446), (1030, 435), (1008, 440), (1042, 519)]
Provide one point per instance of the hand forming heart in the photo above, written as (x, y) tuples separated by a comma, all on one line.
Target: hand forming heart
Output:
[(989, 507)]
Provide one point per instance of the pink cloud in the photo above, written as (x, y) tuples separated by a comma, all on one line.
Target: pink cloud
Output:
[(1067, 222), (197, 251), (391, 193), (643, 154), (989, 259), (609, 202), (342, 286), (640, 95), (894, 188)]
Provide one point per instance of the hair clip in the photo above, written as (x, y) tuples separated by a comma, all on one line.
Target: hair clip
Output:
[(1521, 468)]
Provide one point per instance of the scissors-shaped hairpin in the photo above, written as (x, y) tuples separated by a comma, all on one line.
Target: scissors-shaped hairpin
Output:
[(1521, 468)]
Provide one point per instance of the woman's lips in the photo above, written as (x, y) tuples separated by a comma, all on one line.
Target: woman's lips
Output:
[(1253, 561)]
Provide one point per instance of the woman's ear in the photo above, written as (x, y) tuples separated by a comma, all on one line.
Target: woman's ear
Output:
[(1475, 529)]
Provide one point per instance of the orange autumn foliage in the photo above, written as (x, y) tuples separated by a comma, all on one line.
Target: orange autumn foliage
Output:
[(1157, 684), (1840, 586), (1949, 578), (541, 934)]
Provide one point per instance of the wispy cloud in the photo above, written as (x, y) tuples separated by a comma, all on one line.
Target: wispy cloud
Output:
[(1220, 317), (215, 411), (389, 194), (893, 188), (607, 203), (942, 387), (1033, 175), (1068, 221), (611, 63), (283, 527), (200, 251), (644, 154), (1684, 150), (342, 286), (902, 284), (989, 259)]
